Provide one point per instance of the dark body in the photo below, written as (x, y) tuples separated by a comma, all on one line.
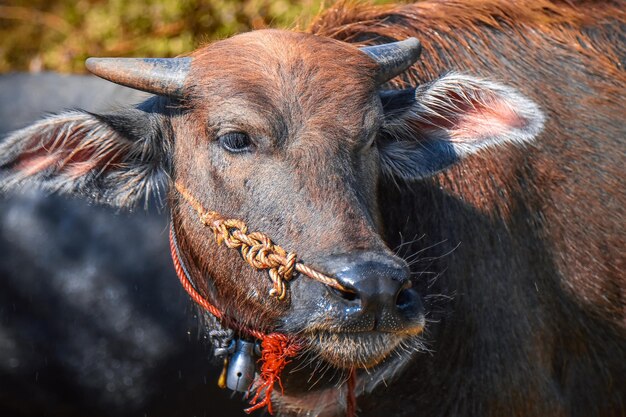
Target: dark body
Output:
[(92, 318), (528, 302)]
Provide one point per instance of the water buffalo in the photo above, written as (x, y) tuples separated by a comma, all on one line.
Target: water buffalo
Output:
[(469, 203)]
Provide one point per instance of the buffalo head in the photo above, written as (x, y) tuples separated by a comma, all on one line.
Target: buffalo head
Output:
[(294, 134)]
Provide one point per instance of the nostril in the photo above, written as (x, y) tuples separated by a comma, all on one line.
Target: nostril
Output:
[(405, 298), (346, 295)]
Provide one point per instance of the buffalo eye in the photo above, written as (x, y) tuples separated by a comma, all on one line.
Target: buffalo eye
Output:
[(236, 142)]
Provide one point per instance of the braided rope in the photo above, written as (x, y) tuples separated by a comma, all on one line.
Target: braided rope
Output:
[(257, 248)]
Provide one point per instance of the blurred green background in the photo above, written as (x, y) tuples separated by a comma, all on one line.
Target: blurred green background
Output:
[(59, 35)]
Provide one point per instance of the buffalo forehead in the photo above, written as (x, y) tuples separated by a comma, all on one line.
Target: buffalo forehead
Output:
[(292, 76)]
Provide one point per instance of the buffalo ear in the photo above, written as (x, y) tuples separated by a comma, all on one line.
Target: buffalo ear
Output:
[(117, 158), (429, 128)]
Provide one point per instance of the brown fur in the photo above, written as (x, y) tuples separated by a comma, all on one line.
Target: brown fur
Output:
[(540, 35), (450, 30)]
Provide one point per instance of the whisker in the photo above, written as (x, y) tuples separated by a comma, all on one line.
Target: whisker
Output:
[(413, 255), (407, 243)]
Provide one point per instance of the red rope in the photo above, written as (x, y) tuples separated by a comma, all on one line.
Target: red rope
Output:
[(277, 349), (197, 297)]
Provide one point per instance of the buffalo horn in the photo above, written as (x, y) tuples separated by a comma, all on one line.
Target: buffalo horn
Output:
[(394, 58), (164, 76)]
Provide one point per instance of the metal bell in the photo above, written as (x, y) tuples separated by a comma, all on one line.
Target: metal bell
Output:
[(241, 367)]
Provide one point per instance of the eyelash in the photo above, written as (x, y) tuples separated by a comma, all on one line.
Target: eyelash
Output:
[(236, 142)]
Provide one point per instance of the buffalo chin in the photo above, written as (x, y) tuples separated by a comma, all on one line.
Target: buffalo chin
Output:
[(349, 350)]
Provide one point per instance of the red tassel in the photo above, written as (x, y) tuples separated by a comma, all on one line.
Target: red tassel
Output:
[(276, 351)]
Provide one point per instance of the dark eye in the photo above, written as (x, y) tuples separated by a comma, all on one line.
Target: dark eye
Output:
[(236, 142)]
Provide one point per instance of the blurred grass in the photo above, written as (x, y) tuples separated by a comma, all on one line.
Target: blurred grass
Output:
[(60, 34)]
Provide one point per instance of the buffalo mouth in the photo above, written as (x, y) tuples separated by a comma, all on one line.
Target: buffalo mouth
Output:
[(360, 349)]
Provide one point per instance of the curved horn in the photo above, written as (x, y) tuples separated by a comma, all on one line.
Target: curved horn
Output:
[(394, 58), (164, 76)]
